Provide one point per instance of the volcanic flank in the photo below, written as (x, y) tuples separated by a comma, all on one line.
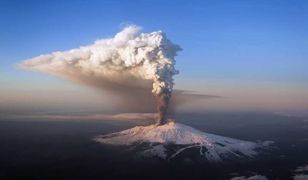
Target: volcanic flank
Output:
[(171, 139)]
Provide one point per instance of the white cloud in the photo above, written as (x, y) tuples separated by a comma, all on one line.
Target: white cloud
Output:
[(302, 168), (300, 177), (255, 177)]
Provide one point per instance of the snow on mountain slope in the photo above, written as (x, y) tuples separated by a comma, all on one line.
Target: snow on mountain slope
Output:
[(212, 147)]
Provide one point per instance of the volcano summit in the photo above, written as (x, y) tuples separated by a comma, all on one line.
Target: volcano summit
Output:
[(172, 139)]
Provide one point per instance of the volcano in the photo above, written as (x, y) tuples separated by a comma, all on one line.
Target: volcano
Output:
[(173, 139)]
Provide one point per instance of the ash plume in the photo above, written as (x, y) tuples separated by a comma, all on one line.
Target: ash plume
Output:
[(123, 65)]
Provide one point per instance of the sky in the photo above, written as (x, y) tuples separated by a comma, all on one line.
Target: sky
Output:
[(251, 54)]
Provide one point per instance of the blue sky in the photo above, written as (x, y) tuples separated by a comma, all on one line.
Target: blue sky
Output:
[(225, 42)]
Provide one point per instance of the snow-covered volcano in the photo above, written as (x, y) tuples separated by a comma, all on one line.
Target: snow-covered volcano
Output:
[(158, 140)]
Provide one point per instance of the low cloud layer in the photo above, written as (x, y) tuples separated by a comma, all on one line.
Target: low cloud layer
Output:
[(255, 177), (301, 173)]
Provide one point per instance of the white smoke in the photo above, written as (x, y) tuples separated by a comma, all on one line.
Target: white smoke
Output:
[(129, 59)]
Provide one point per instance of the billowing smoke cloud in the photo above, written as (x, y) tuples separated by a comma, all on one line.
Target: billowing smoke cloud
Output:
[(126, 64)]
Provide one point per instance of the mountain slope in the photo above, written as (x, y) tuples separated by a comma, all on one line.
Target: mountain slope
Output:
[(158, 139)]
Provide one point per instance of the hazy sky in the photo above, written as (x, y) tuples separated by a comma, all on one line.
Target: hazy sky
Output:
[(254, 54)]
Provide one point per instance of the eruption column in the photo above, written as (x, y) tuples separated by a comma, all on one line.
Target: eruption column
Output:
[(123, 63), (162, 106)]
